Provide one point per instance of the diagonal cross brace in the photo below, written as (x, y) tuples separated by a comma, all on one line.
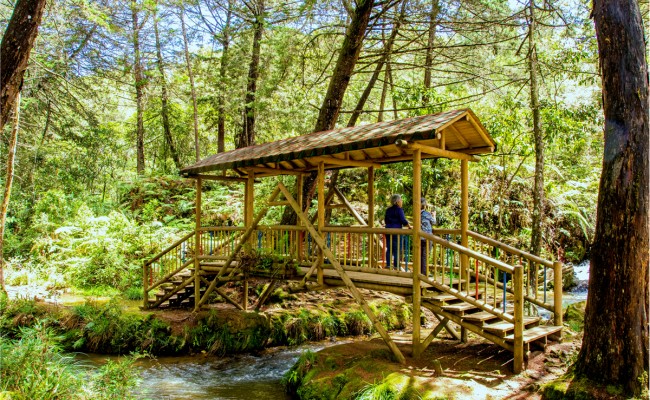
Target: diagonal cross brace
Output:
[(344, 276)]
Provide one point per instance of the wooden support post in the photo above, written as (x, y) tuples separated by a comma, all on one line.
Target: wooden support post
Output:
[(299, 187), (321, 218), (464, 218), (557, 293), (372, 262), (265, 295), (197, 245), (145, 285), (344, 276), (518, 286), (244, 298), (417, 226), (249, 199), (463, 334)]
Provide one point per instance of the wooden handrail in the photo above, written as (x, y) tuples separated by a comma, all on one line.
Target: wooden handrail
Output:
[(170, 248), (510, 249), (362, 229), (463, 250), (222, 228)]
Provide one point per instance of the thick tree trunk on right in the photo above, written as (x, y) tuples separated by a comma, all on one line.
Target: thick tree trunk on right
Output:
[(17, 43), (139, 84), (615, 345), (538, 189), (331, 106)]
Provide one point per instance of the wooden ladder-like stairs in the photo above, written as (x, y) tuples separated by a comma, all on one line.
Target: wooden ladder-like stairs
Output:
[(487, 324), (184, 298)]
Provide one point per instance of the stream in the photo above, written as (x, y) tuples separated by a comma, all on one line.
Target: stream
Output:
[(209, 377)]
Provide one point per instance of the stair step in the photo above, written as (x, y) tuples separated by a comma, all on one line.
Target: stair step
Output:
[(503, 327), (441, 298), (479, 316), (536, 333), (459, 308)]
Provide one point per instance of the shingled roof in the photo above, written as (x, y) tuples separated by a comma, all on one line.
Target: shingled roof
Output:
[(457, 131)]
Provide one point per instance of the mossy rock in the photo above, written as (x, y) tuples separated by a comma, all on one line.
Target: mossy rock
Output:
[(574, 316)]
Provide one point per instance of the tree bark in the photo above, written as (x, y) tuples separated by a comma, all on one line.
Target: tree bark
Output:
[(388, 48), (164, 98), (221, 105), (247, 137), (428, 61), (538, 190), (17, 43), (190, 74), (331, 106), (615, 345), (11, 150), (139, 85)]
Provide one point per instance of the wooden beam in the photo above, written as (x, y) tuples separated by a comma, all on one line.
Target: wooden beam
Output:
[(321, 216), (345, 163), (273, 171), (217, 178), (479, 129), (348, 205), (518, 344), (265, 295), (459, 136), (371, 215), (197, 243), (344, 276), (464, 216), (417, 192), (436, 151)]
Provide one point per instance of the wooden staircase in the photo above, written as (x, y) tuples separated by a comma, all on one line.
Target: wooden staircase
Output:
[(488, 324), (183, 298)]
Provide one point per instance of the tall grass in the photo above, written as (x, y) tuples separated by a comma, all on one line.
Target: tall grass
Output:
[(34, 367)]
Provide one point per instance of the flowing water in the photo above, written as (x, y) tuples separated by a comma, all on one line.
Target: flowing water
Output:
[(247, 377)]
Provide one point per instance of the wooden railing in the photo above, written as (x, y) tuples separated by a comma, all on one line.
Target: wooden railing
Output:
[(483, 272), (167, 263), (536, 271)]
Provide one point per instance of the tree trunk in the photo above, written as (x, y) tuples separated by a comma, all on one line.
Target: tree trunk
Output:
[(164, 99), (331, 106), (190, 74), (538, 190), (388, 48), (428, 61), (615, 345), (247, 137), (221, 105), (139, 84), (11, 150), (16, 45)]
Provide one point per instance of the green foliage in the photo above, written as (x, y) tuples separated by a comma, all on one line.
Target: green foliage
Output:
[(33, 367)]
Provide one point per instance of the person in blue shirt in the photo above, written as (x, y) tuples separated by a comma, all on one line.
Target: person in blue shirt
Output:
[(427, 221), (394, 218)]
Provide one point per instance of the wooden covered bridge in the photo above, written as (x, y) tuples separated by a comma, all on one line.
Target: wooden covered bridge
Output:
[(476, 282)]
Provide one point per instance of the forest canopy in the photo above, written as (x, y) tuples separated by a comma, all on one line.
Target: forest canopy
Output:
[(119, 95)]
